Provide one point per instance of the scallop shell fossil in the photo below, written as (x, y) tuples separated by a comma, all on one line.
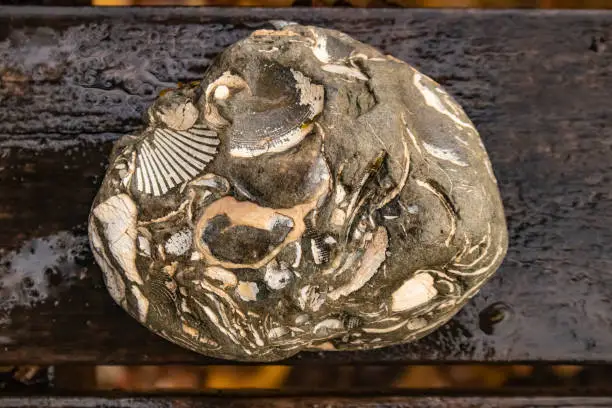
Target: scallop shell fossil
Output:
[(175, 147), (308, 193)]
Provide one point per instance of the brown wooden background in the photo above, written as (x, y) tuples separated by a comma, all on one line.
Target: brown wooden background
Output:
[(536, 83)]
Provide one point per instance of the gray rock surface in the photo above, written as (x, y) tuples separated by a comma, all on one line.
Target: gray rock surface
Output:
[(309, 193)]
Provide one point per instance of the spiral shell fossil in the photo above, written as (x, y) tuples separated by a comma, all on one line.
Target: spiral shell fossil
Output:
[(309, 192)]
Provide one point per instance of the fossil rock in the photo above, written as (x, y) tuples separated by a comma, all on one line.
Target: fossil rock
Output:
[(309, 193)]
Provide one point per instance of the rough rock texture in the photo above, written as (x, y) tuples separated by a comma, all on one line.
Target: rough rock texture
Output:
[(310, 192)]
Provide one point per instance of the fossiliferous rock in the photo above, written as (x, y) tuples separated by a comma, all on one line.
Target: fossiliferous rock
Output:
[(309, 193)]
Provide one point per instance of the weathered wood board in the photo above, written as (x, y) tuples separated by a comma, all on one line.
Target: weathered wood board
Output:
[(308, 402), (537, 85)]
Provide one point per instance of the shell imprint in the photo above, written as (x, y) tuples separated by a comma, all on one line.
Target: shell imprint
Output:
[(170, 157), (309, 193), (281, 128)]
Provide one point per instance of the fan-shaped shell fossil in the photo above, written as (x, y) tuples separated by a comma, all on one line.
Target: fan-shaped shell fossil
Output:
[(309, 192)]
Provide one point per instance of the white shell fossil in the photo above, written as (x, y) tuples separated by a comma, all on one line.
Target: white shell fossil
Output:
[(309, 193), (174, 148)]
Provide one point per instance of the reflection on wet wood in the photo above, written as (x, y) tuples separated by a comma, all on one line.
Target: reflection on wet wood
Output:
[(535, 83)]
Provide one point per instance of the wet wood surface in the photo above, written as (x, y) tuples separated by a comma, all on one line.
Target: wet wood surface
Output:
[(536, 84), (307, 402)]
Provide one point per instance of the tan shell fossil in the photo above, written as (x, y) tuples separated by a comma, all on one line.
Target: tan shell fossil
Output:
[(308, 193)]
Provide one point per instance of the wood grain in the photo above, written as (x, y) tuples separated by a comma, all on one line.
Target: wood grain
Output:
[(307, 402), (537, 85)]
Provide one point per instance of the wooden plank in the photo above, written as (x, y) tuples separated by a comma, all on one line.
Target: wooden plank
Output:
[(306, 402), (62, 3), (537, 85)]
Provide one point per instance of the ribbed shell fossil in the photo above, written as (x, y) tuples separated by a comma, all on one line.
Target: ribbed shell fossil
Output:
[(309, 192)]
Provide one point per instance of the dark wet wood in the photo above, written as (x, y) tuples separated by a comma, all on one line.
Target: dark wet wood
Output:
[(307, 402), (537, 85), (62, 3)]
